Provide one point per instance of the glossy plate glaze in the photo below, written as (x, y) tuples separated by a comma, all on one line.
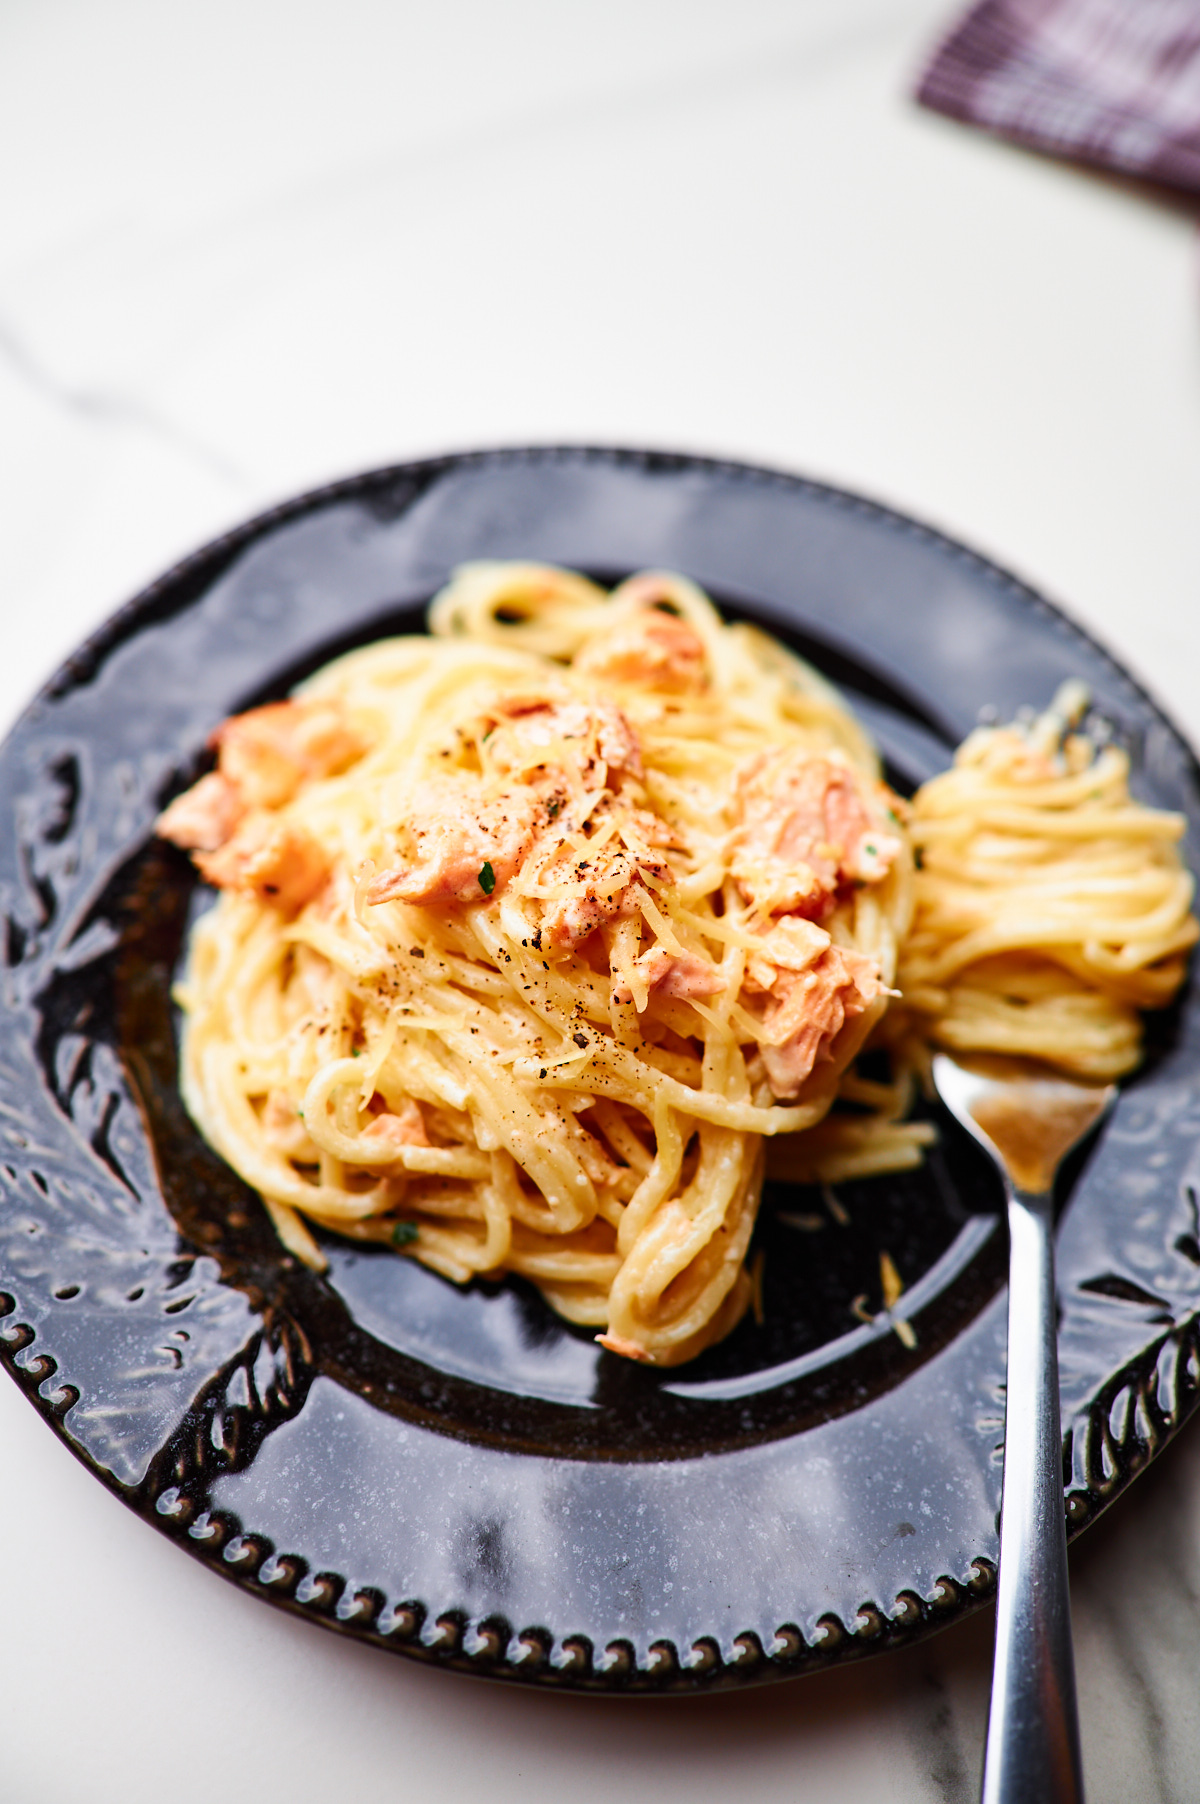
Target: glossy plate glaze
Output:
[(456, 1474)]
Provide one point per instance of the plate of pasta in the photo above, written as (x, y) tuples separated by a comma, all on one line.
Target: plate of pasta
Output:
[(475, 939)]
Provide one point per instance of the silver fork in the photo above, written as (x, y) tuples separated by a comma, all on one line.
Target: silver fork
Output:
[(1029, 1122)]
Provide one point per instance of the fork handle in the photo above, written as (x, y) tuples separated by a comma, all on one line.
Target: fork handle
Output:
[(1033, 1727)]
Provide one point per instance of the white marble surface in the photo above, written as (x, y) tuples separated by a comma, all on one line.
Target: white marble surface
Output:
[(249, 246)]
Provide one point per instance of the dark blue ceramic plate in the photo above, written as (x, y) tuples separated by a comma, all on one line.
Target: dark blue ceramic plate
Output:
[(456, 1474)]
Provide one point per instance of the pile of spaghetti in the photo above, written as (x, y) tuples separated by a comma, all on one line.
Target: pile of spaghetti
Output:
[(534, 931)]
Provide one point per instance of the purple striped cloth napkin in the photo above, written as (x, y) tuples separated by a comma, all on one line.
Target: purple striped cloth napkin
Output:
[(1113, 82)]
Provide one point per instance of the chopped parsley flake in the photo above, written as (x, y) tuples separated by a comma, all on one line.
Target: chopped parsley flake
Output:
[(404, 1233), (487, 879)]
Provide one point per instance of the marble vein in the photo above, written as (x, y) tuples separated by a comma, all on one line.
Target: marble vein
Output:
[(106, 408)]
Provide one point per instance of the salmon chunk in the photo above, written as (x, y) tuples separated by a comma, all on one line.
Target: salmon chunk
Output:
[(470, 839), (535, 731), (806, 830), (204, 816), (263, 756), (457, 830), (651, 648), (814, 988), (609, 884), (280, 864), (681, 975), (405, 1128), (268, 752)]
